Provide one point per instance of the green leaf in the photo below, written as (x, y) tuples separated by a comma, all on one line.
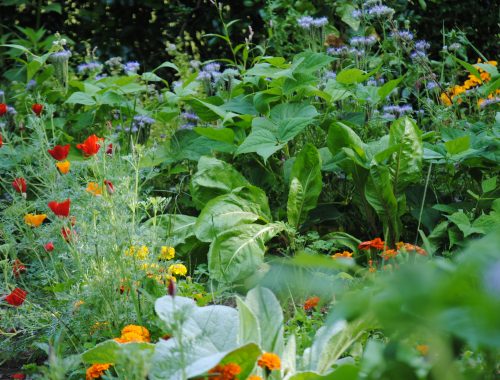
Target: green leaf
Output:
[(237, 253), (305, 186), (81, 98), (468, 67), (217, 134), (380, 195), (489, 184), (270, 134), (345, 12), (342, 136), (243, 205), (406, 162), (267, 309), (151, 77), (176, 228), (458, 145), (213, 178), (110, 351), (167, 64), (463, 223), (249, 325), (387, 88)]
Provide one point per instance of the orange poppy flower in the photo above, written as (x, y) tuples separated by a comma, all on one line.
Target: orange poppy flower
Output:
[(94, 188), (63, 166), (34, 220), (91, 146)]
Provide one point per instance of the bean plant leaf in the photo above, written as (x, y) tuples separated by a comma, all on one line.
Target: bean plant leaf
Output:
[(284, 123), (238, 252)]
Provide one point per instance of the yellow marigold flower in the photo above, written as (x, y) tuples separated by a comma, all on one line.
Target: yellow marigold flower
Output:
[(225, 371), (254, 377), (167, 253), (445, 99), (34, 220), (269, 361), (343, 255), (140, 252), (96, 370), (177, 269), (63, 166), (94, 188)]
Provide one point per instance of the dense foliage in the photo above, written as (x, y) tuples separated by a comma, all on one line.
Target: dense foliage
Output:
[(323, 209)]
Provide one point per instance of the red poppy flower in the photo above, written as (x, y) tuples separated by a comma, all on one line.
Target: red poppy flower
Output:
[(90, 146), (311, 303), (37, 109), (19, 184), (17, 297), (18, 376), (109, 187), (18, 268), (60, 209), (49, 247), (3, 109), (376, 243), (109, 150), (60, 152)]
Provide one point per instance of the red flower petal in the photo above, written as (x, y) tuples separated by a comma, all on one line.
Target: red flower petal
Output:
[(60, 152), (60, 209), (19, 184), (17, 297), (37, 108)]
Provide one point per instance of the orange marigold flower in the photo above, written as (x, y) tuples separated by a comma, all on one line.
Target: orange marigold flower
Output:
[(96, 370), (269, 361), (410, 247), (134, 333), (389, 254), (311, 303), (423, 349), (254, 377), (376, 243), (225, 371), (343, 255)]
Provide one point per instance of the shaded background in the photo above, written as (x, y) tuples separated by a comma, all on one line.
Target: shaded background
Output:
[(140, 30)]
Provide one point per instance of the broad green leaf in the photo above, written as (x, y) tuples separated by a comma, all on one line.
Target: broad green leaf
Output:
[(167, 64), (237, 253), (345, 11), (249, 324), (284, 123), (81, 98), (213, 178), (243, 205), (176, 228), (266, 308), (217, 134), (380, 195), (463, 223), (151, 77), (303, 196), (295, 202), (350, 76), (387, 88), (471, 69), (406, 161), (458, 145), (113, 352), (342, 136)]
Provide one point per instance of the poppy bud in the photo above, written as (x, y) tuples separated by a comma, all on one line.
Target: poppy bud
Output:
[(109, 187), (109, 150), (37, 109), (18, 268), (172, 289), (3, 109), (49, 247), (19, 184), (1, 140)]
